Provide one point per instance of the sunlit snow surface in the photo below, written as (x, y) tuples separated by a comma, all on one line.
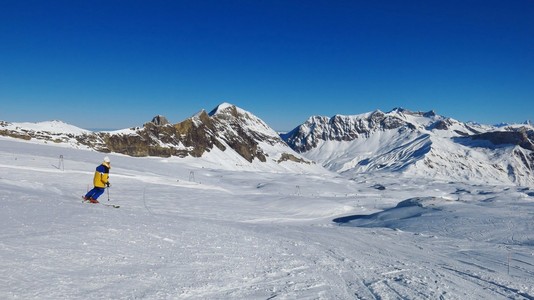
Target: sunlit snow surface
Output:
[(198, 229)]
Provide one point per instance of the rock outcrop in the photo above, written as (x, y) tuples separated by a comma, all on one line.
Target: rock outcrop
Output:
[(227, 127)]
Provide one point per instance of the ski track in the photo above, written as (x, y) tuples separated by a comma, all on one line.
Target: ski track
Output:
[(251, 236)]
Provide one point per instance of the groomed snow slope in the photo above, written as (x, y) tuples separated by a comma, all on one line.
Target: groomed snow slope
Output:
[(189, 230)]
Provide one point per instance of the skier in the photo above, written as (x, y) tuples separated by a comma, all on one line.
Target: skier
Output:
[(100, 181)]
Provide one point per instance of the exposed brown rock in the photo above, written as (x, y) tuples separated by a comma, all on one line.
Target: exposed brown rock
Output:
[(519, 137), (291, 157), (14, 134), (193, 136)]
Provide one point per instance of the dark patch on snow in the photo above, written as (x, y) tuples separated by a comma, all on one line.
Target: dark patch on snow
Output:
[(379, 187), (461, 191), (347, 219), (392, 217), (489, 200)]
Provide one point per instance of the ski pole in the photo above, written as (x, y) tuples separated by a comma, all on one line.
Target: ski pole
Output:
[(108, 192)]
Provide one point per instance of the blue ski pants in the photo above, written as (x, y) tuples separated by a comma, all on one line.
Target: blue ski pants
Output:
[(95, 193)]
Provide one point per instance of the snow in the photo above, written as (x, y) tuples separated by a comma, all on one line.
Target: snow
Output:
[(201, 229), (53, 127), (125, 131), (423, 151)]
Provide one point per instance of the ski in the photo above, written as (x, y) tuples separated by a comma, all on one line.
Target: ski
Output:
[(105, 204)]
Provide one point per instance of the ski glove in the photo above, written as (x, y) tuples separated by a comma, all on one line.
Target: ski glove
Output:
[(108, 184)]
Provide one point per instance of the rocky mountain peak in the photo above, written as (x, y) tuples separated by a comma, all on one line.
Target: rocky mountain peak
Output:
[(226, 108), (400, 110), (342, 128), (160, 120), (429, 114)]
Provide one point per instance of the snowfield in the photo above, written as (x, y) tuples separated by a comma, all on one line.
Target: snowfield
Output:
[(194, 229)]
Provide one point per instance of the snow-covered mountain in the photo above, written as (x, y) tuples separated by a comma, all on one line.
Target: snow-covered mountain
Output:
[(401, 141), (418, 143), (227, 134)]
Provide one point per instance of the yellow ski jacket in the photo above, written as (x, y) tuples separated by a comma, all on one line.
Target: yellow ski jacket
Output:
[(102, 175)]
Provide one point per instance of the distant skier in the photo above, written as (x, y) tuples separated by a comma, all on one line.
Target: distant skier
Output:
[(100, 181)]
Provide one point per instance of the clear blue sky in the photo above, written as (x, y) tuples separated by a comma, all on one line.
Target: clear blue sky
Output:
[(116, 64)]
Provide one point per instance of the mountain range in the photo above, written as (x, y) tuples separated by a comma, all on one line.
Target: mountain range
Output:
[(418, 143), (402, 142)]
